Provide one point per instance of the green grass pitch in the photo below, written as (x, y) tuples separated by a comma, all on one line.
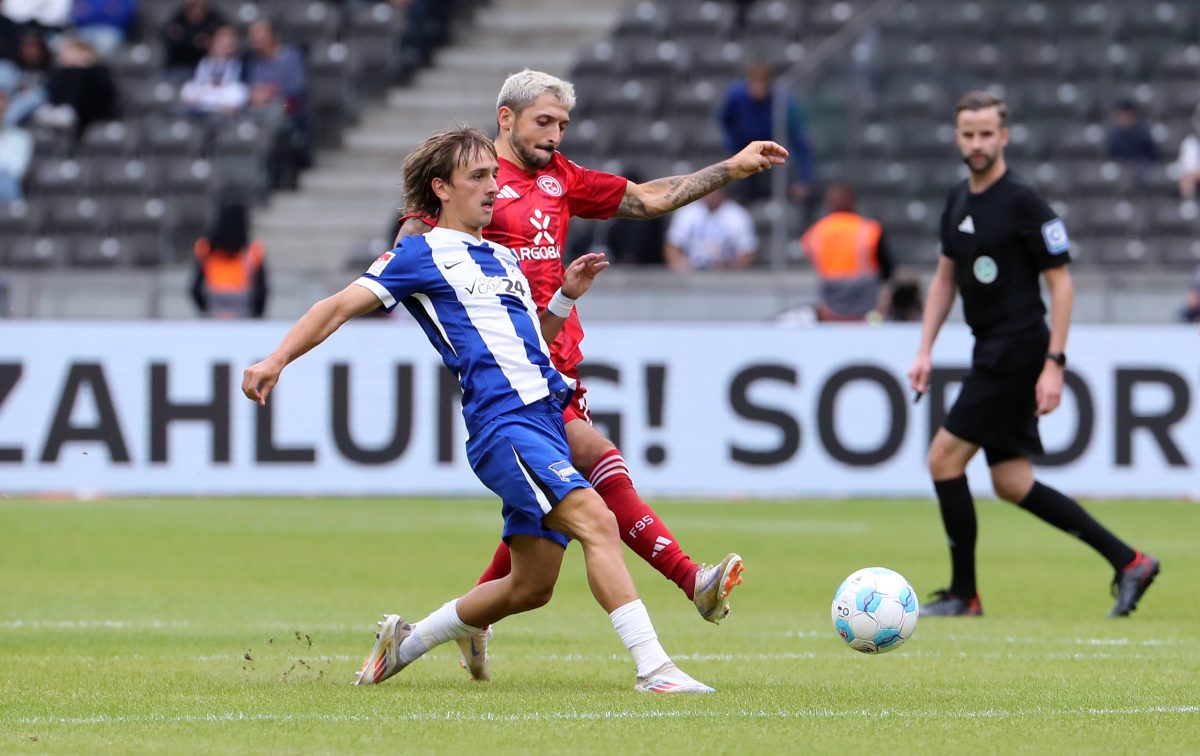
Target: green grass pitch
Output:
[(235, 626)]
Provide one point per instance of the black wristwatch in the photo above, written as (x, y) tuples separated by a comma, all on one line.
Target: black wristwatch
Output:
[(1058, 358)]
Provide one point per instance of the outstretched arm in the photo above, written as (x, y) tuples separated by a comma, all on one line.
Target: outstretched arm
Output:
[(316, 325), (653, 198), (577, 279)]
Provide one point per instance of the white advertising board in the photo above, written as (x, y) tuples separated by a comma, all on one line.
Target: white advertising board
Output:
[(697, 409)]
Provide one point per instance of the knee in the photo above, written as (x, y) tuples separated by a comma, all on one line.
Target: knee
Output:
[(597, 524), (942, 465), (527, 597), (1008, 490)]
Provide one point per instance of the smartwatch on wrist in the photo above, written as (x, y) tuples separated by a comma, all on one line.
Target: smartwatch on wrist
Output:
[(1058, 358)]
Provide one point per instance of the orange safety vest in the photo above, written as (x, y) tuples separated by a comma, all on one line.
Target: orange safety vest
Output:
[(843, 245), (229, 279)]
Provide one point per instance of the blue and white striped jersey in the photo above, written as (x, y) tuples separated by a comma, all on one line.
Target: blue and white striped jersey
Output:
[(474, 304)]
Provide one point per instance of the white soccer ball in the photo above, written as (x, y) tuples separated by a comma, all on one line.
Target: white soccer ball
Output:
[(875, 610)]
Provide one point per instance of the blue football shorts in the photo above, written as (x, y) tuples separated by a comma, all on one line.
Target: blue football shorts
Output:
[(523, 457)]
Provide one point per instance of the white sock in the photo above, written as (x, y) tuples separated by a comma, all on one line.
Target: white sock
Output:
[(632, 623), (440, 626)]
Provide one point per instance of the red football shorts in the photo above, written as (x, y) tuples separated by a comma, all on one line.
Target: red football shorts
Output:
[(578, 408)]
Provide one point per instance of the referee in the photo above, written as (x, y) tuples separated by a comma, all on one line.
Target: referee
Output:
[(997, 235)]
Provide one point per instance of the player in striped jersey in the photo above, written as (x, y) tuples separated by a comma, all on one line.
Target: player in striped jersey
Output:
[(475, 306), (540, 192)]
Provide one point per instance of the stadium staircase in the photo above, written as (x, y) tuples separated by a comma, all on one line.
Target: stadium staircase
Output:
[(351, 196)]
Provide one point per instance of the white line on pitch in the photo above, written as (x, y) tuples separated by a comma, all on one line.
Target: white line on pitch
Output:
[(552, 716)]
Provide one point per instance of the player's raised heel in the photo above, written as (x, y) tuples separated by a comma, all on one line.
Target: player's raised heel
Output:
[(670, 679), (474, 651), (1131, 582), (384, 659), (713, 584)]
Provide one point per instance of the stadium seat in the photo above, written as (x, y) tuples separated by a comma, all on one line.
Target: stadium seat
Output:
[(82, 215), (126, 176), (173, 136), (113, 138), (780, 18), (1183, 251), (21, 218), (101, 252), (59, 177), (38, 252)]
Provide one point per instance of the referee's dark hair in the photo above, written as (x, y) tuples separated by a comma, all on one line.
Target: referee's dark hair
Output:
[(978, 99)]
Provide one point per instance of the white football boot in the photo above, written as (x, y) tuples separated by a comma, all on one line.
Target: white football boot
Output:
[(384, 659), (670, 679), (713, 584), (474, 651)]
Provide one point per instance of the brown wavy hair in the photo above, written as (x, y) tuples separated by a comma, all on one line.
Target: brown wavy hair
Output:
[(437, 157)]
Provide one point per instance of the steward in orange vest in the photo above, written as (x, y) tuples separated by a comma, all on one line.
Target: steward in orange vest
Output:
[(230, 279), (850, 257)]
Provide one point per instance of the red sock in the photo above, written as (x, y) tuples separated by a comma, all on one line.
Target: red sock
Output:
[(641, 529), (501, 565)]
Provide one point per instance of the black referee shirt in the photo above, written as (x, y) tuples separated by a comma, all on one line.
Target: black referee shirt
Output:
[(1000, 240)]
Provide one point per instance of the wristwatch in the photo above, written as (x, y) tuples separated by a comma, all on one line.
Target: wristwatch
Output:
[(1058, 358)]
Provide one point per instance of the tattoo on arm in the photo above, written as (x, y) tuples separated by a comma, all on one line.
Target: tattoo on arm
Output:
[(412, 227), (673, 192)]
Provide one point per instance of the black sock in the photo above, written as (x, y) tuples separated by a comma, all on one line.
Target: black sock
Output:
[(958, 516), (1064, 513)]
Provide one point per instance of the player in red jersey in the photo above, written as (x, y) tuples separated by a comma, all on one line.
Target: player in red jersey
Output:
[(540, 191)]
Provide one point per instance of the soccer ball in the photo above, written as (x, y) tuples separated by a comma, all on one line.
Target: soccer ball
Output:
[(875, 610)]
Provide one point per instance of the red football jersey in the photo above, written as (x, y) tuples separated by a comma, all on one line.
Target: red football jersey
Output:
[(531, 217)]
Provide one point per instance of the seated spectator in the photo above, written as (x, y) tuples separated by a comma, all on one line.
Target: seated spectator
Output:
[(104, 24), (16, 149), (1129, 137), (1187, 166), (187, 36), (1191, 307), (275, 76), (48, 14), (850, 256), (25, 80), (79, 90), (230, 278), (217, 85), (747, 115), (903, 299), (712, 233)]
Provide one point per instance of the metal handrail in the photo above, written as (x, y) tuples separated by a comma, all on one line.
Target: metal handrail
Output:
[(800, 72)]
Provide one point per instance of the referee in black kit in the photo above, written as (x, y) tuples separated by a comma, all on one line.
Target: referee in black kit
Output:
[(997, 235)]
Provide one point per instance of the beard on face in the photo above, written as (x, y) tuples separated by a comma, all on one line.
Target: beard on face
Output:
[(529, 156), (989, 161)]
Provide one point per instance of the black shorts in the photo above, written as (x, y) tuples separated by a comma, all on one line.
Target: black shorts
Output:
[(997, 407)]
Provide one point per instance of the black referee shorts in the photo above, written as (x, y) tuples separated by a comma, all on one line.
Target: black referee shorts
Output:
[(997, 406)]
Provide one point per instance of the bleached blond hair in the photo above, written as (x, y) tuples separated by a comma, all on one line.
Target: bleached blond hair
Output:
[(521, 90)]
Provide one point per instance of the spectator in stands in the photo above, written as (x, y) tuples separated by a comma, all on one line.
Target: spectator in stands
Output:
[(713, 233), (850, 256), (80, 90), (1187, 166), (217, 86), (16, 149), (1129, 137), (904, 302), (747, 115), (275, 76), (25, 81), (104, 24), (49, 14), (1191, 308), (230, 278), (187, 36)]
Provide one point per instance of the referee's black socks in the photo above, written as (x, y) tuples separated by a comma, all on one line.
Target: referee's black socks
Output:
[(958, 517), (1064, 513)]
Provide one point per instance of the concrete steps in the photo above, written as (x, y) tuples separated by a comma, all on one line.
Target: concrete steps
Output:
[(347, 199)]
